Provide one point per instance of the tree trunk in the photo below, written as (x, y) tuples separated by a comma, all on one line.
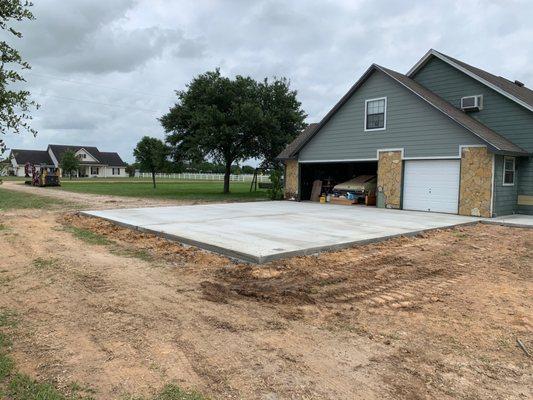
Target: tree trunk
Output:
[(227, 174), (153, 178)]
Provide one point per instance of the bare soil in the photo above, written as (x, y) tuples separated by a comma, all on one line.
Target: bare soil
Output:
[(433, 316)]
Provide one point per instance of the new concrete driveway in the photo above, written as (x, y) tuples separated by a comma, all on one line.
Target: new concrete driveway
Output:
[(263, 231)]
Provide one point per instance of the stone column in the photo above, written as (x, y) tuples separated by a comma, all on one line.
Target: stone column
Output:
[(475, 194), (291, 179), (389, 179)]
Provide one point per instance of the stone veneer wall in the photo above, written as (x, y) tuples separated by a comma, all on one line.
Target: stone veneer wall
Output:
[(475, 192), (389, 179), (291, 178)]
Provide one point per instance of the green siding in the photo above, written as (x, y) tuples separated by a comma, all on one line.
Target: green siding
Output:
[(411, 124), (499, 113), (505, 197)]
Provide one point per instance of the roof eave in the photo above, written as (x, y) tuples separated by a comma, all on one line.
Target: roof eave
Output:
[(512, 153), (491, 146), (442, 57), (336, 107)]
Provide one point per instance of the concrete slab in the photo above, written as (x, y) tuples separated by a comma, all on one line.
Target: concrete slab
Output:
[(518, 220), (263, 231)]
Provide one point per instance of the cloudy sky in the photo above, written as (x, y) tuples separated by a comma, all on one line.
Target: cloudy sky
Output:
[(104, 71)]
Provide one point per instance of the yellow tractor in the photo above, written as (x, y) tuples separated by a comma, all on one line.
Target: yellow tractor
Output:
[(42, 176)]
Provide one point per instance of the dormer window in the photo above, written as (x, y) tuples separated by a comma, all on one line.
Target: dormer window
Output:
[(375, 114), (82, 156)]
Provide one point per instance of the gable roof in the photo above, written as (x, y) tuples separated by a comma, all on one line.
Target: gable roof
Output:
[(494, 140), (38, 157), (519, 94), (59, 150), (111, 159), (293, 146)]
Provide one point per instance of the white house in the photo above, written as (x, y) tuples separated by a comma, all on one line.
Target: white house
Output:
[(93, 162)]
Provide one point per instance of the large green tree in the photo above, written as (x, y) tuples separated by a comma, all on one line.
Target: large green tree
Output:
[(69, 163), (230, 120), (282, 118), (15, 104), (151, 154)]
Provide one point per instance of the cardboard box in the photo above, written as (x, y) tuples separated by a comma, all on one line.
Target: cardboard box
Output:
[(345, 202)]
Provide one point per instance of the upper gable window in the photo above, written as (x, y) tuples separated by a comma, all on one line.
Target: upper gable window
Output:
[(375, 114), (508, 171)]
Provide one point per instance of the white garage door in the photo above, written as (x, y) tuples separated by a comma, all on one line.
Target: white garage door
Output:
[(431, 185)]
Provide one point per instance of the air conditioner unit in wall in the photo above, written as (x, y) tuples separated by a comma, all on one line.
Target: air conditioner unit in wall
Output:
[(472, 103)]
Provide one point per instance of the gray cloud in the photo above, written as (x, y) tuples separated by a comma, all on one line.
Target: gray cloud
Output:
[(104, 71)]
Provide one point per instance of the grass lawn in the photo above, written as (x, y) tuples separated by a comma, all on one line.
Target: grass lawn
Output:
[(11, 200), (166, 189)]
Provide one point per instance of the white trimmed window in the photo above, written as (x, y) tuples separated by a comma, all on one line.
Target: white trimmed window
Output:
[(508, 171), (376, 114)]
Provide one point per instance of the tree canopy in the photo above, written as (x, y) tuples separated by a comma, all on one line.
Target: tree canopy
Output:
[(14, 104), (151, 155), (230, 120), (69, 162)]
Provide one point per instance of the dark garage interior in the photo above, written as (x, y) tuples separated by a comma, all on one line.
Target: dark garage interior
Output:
[(332, 174)]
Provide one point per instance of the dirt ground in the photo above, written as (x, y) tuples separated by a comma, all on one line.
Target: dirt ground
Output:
[(433, 316)]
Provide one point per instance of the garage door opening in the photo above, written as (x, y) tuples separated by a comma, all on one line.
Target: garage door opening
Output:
[(332, 174)]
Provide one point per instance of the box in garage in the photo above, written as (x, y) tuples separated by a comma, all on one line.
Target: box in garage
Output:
[(346, 202)]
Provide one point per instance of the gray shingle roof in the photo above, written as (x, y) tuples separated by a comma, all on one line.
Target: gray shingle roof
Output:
[(60, 149), (293, 146), (493, 139), (111, 159), (37, 157), (520, 94)]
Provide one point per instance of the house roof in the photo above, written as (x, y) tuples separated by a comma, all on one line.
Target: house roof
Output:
[(111, 159), (288, 152), (38, 157), (60, 149), (491, 138), (520, 94)]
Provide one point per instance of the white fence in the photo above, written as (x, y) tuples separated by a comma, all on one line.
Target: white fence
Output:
[(187, 176)]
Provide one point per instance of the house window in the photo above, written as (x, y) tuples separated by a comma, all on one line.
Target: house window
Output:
[(95, 170), (115, 171), (375, 114), (508, 171), (82, 156)]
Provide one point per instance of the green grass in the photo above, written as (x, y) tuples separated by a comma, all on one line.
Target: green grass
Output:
[(45, 263), (3, 227), (166, 189), (88, 236), (14, 200), (133, 253), (173, 392)]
